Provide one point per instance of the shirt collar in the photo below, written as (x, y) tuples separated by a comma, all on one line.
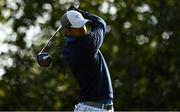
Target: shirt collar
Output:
[(69, 38)]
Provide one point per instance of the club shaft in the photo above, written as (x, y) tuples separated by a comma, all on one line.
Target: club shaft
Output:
[(50, 39)]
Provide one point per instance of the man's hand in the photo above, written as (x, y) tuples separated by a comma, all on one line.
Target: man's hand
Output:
[(72, 7)]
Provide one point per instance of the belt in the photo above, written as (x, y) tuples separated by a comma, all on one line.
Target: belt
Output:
[(99, 105)]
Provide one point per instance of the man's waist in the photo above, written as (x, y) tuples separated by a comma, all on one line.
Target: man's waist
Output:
[(105, 101), (106, 104), (106, 97)]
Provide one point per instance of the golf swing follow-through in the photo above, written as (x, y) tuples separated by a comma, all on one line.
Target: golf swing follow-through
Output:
[(83, 56), (43, 58)]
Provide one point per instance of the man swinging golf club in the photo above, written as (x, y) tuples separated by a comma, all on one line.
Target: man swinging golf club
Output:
[(86, 61)]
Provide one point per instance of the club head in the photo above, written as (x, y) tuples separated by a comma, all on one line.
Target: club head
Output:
[(44, 59)]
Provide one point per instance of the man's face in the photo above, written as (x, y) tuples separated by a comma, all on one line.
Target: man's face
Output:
[(76, 32)]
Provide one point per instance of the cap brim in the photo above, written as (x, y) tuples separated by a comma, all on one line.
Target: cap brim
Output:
[(80, 24)]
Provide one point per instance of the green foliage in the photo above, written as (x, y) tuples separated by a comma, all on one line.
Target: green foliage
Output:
[(141, 48)]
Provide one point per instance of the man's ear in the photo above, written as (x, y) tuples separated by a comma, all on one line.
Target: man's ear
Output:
[(66, 31)]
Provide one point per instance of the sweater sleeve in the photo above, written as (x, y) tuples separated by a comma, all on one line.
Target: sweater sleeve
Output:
[(98, 29)]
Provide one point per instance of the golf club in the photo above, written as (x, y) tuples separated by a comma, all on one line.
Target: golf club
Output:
[(50, 40), (43, 58)]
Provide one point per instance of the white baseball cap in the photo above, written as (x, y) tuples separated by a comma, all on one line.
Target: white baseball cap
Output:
[(73, 19)]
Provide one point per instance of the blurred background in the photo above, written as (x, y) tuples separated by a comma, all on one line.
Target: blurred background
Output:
[(141, 48)]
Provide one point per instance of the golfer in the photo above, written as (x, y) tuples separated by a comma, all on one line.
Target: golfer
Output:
[(87, 63)]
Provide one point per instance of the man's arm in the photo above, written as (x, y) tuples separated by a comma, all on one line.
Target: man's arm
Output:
[(98, 28)]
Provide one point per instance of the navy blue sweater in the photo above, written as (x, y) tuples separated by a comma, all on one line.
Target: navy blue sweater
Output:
[(87, 62)]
